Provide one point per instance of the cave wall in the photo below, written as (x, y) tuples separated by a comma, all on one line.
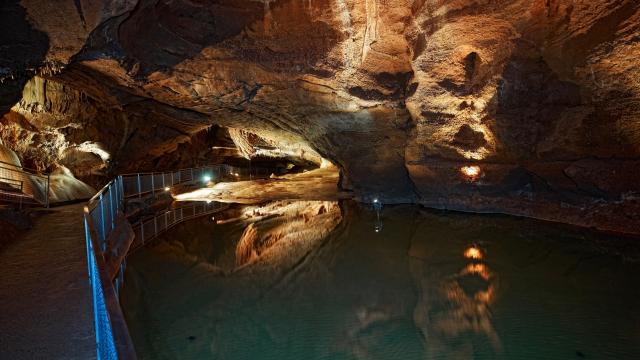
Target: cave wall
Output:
[(542, 95)]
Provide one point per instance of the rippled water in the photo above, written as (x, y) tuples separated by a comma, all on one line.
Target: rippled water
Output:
[(429, 285)]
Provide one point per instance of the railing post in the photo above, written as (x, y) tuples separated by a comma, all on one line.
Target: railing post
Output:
[(113, 223), (153, 188), (94, 292), (88, 244), (192, 179), (155, 226), (123, 267), (115, 186), (21, 193), (104, 233), (46, 193), (121, 200), (139, 187)]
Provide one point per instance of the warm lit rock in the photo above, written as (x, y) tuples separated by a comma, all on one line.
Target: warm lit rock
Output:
[(398, 95)]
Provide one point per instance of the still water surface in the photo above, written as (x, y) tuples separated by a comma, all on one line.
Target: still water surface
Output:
[(323, 284)]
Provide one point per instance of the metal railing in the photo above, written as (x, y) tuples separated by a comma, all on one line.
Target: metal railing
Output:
[(112, 337), (140, 184), (147, 229), (112, 342), (23, 187)]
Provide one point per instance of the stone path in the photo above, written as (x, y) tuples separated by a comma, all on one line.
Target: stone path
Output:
[(45, 297)]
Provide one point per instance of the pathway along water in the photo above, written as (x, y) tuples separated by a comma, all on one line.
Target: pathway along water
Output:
[(430, 285), (45, 298)]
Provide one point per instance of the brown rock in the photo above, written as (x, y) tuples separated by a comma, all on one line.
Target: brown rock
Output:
[(468, 138), (381, 89)]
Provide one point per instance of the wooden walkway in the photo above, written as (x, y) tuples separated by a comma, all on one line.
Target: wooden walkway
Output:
[(45, 297)]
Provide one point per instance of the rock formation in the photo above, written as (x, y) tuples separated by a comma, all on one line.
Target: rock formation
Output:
[(543, 96)]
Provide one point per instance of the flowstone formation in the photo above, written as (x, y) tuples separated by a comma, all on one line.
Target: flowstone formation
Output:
[(540, 97)]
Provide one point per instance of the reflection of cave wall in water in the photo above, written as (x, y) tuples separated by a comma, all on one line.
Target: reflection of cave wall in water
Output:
[(453, 305), (257, 236), (429, 285)]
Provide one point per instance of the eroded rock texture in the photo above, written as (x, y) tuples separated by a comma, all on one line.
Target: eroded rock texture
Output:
[(542, 95)]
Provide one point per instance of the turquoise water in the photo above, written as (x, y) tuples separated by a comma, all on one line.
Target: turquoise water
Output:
[(429, 285)]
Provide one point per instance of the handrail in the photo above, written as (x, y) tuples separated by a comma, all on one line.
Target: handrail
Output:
[(113, 340), (112, 337), (20, 167), (151, 182), (174, 171), (29, 188), (11, 181), (160, 223)]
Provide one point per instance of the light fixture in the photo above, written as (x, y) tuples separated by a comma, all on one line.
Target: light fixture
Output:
[(206, 178), (471, 172), (167, 188), (375, 200)]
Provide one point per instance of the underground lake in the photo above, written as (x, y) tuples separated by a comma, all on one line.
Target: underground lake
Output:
[(340, 280), (319, 179)]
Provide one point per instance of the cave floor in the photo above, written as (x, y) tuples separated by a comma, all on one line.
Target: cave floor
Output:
[(318, 184), (45, 298)]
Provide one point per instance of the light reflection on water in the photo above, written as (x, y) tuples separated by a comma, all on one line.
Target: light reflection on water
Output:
[(317, 282)]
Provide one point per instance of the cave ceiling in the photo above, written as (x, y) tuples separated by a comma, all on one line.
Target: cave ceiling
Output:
[(542, 94)]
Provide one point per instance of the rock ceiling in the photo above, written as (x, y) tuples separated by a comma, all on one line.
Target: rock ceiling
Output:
[(542, 95)]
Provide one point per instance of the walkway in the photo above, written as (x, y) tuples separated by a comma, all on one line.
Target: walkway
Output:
[(317, 184), (45, 297)]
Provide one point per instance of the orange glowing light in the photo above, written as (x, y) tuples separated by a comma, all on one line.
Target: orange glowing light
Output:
[(477, 269), (473, 253), (472, 171)]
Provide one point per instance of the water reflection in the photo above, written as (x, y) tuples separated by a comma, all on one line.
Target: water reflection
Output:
[(472, 252), (274, 228), (309, 280), (453, 311), (377, 206)]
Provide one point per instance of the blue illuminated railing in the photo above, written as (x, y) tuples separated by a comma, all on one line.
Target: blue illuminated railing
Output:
[(105, 343), (112, 336)]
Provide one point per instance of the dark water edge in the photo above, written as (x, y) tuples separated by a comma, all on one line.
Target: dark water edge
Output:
[(429, 285)]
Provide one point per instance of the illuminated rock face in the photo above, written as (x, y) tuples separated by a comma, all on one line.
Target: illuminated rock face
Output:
[(542, 95)]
